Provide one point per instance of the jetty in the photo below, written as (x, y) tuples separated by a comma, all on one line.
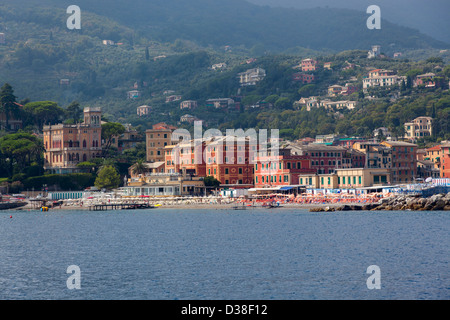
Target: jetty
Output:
[(11, 205), (120, 206)]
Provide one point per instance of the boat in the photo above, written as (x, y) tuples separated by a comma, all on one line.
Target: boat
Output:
[(272, 206)]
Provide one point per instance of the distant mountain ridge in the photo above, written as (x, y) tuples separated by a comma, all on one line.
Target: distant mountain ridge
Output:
[(238, 22), (430, 17)]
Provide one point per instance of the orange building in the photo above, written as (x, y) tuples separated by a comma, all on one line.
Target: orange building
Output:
[(67, 145), (445, 161), (433, 154)]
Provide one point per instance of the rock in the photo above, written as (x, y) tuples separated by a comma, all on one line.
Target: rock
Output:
[(439, 205)]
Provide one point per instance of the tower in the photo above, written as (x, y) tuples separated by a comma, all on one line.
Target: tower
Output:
[(92, 116)]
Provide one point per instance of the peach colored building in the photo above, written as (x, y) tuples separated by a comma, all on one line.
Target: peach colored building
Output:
[(67, 145), (433, 154), (157, 139)]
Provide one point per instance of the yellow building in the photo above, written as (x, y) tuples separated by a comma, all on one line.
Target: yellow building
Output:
[(347, 178)]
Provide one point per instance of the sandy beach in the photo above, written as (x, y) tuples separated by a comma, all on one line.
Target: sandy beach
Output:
[(183, 205)]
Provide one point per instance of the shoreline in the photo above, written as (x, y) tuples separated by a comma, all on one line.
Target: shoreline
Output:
[(198, 206), (402, 203)]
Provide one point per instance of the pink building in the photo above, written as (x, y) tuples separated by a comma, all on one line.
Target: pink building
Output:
[(309, 65), (303, 77)]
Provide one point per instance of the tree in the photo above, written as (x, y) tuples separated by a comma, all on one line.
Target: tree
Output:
[(139, 167), (44, 112), (8, 104), (107, 178), (18, 151), (111, 130), (210, 181), (74, 111)]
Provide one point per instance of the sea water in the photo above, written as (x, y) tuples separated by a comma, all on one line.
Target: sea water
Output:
[(211, 254)]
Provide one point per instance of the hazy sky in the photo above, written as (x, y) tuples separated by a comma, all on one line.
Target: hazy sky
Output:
[(429, 16)]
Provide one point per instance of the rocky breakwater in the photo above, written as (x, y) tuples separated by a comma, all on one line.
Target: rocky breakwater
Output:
[(437, 202), (433, 203)]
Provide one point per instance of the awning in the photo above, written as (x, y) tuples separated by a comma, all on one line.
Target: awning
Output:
[(286, 188)]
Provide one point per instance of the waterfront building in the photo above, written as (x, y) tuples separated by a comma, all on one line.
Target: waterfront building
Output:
[(376, 154), (164, 184), (67, 145), (350, 178), (445, 161), (282, 169), (433, 154), (326, 159), (404, 161), (156, 139)]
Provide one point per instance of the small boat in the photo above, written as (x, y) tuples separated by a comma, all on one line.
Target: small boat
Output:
[(239, 208), (272, 206)]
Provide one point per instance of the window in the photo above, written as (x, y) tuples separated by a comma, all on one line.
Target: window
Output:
[(226, 170), (240, 170)]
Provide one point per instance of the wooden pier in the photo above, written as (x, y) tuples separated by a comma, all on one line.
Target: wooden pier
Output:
[(120, 206)]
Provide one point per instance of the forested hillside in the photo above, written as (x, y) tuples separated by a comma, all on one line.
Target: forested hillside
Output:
[(170, 46)]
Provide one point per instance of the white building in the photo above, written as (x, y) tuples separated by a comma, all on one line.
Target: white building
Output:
[(251, 76)]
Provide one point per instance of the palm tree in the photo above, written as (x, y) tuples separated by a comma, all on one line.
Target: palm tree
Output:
[(139, 167)]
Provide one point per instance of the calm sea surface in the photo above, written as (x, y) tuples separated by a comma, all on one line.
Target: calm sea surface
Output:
[(282, 254)]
